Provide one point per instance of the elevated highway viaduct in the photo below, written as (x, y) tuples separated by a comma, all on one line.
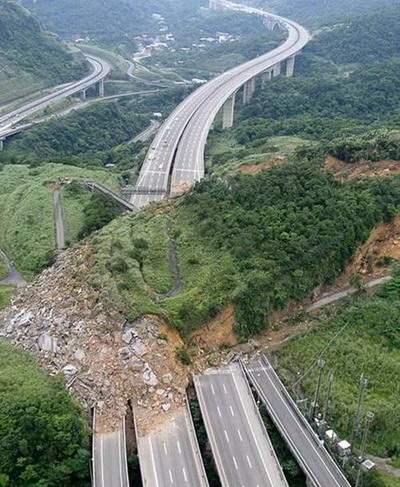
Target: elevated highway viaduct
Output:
[(179, 145), (100, 70)]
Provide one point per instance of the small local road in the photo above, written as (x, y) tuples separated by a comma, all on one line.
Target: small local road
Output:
[(58, 220)]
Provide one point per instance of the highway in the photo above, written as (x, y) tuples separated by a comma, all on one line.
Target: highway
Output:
[(189, 161), (242, 451), (185, 131), (109, 459), (101, 69), (171, 456), (304, 444)]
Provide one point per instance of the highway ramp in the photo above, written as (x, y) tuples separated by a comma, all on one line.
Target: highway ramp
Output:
[(169, 456), (242, 450), (304, 444)]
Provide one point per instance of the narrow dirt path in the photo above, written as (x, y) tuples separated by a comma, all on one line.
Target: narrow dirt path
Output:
[(333, 298), (14, 278), (58, 220)]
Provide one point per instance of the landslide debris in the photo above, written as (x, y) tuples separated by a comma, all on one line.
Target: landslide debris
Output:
[(106, 361)]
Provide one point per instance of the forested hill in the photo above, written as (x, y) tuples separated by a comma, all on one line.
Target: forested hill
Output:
[(316, 12), (29, 57), (110, 20)]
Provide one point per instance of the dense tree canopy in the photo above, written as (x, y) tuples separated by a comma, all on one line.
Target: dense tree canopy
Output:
[(43, 437)]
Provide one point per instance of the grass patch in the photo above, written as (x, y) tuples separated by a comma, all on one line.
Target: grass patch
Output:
[(363, 337), (26, 212), (3, 270), (6, 293)]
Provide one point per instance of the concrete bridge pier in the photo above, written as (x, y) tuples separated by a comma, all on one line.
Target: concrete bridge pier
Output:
[(1, 144), (276, 70), (83, 95), (101, 88), (248, 90), (290, 66), (265, 77), (228, 111)]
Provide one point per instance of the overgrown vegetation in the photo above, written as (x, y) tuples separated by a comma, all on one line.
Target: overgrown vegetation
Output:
[(6, 293), (43, 435), (362, 336)]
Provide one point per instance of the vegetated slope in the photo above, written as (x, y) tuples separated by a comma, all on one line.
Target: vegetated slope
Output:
[(116, 21), (27, 223), (94, 136), (315, 13), (364, 338), (30, 58), (255, 241), (340, 90), (43, 435)]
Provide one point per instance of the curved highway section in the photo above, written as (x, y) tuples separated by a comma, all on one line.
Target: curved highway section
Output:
[(101, 70), (180, 142)]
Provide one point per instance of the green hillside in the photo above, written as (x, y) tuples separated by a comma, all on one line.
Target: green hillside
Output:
[(31, 59)]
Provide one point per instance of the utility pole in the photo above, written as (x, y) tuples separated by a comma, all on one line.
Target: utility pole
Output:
[(321, 365), (328, 395), (356, 427), (368, 421)]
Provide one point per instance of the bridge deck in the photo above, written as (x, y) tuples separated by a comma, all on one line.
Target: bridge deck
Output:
[(314, 459), (239, 441), (170, 456)]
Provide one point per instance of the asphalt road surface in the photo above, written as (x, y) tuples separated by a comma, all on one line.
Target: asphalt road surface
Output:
[(101, 69), (239, 441), (170, 457), (109, 459), (176, 135), (313, 458)]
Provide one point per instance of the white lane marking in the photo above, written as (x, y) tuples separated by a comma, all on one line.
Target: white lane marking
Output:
[(102, 460), (248, 461), (184, 474), (224, 387), (165, 448), (210, 432), (226, 436), (179, 446), (170, 477), (240, 435), (212, 389), (250, 427), (153, 462), (219, 412), (235, 463), (121, 467), (231, 410), (295, 420)]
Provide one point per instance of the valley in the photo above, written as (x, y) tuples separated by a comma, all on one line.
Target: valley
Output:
[(260, 186)]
